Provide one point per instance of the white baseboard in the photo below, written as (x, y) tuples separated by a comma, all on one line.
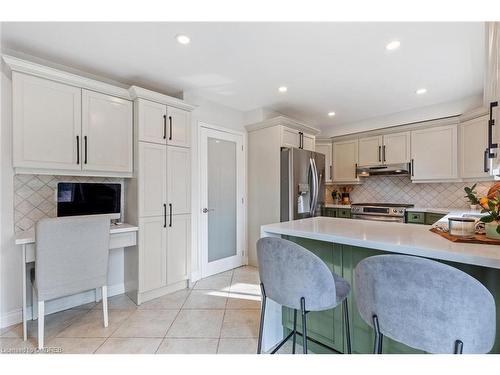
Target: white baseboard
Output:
[(16, 316)]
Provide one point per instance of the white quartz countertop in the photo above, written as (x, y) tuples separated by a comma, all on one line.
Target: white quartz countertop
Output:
[(411, 239), (28, 236)]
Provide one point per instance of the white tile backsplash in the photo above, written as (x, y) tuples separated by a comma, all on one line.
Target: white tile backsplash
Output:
[(400, 189), (35, 196)]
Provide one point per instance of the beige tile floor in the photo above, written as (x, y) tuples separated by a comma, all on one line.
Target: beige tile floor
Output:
[(219, 315)]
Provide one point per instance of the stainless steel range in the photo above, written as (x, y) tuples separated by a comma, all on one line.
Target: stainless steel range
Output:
[(393, 212)]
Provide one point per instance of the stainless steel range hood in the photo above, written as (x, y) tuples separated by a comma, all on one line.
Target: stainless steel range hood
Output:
[(384, 170)]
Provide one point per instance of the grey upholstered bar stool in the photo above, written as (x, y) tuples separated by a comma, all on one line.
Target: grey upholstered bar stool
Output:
[(424, 304), (296, 278), (71, 257)]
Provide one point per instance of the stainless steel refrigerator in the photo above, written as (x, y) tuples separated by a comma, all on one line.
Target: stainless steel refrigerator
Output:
[(302, 183)]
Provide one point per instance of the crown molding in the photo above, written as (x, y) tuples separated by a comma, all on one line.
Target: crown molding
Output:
[(34, 69), (284, 121), (137, 92)]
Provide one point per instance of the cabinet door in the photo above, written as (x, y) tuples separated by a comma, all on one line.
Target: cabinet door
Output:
[(47, 124), (152, 177), (308, 142), (152, 126), (178, 247), (178, 179), (434, 153), (370, 151), (152, 253), (473, 148), (396, 148), (345, 159), (107, 132), (326, 149), (179, 127), (290, 138)]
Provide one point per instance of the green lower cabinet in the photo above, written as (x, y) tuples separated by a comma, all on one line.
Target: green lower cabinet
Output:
[(431, 218), (327, 326)]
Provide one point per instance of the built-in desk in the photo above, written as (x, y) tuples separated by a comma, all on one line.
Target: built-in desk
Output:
[(121, 235)]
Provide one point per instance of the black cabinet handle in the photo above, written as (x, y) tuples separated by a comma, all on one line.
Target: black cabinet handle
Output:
[(379, 153), (301, 140), (164, 215), (170, 208), (170, 122), (412, 168), (485, 162), (164, 126), (85, 141), (356, 170), (383, 154), (491, 123), (77, 149)]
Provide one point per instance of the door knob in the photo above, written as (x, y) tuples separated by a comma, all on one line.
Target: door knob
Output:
[(205, 210)]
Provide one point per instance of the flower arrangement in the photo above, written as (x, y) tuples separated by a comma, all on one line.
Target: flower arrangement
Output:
[(490, 205)]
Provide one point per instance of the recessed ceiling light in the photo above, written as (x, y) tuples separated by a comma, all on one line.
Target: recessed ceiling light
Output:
[(183, 39), (393, 45), (331, 114), (421, 91), (283, 89)]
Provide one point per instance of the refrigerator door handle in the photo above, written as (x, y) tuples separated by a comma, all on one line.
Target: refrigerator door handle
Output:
[(318, 184), (314, 192)]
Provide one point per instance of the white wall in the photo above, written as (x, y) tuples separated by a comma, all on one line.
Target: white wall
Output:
[(213, 114)]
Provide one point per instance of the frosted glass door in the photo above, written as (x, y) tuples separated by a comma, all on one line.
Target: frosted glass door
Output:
[(221, 200)]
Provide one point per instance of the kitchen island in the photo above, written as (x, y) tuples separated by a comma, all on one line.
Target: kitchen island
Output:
[(342, 244)]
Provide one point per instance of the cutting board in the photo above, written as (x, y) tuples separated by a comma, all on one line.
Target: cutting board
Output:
[(478, 238)]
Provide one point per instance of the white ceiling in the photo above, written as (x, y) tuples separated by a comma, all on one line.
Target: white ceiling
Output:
[(341, 67)]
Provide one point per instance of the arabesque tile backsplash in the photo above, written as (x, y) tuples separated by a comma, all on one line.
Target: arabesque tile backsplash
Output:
[(400, 189), (35, 196)]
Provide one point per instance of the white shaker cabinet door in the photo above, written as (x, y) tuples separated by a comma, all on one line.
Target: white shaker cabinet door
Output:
[(46, 124), (326, 149), (345, 160), (308, 142), (152, 179), (178, 180), (474, 148), (153, 253), (396, 148), (434, 153), (178, 127), (107, 133), (370, 151), (152, 122), (290, 138), (178, 247)]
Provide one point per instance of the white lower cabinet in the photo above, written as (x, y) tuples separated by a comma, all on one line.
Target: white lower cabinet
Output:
[(434, 153), (178, 245), (153, 253)]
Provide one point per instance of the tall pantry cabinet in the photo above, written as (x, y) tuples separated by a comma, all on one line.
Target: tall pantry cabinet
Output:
[(159, 196)]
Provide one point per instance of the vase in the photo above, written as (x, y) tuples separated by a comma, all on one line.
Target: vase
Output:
[(491, 230)]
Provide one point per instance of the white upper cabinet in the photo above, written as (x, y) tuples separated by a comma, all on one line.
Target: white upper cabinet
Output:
[(152, 121), (152, 179), (396, 148), (178, 180), (107, 132), (178, 247), (345, 161), (474, 162), (326, 149), (178, 127), (47, 124), (296, 138), (434, 153), (370, 151)]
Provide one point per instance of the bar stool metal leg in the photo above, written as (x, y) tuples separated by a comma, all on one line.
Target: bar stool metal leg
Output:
[(294, 330), (262, 315), (377, 347), (347, 327), (304, 323)]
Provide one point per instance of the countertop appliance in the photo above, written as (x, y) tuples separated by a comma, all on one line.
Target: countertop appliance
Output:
[(302, 183), (393, 212)]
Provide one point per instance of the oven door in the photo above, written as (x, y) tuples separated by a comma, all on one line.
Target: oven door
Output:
[(392, 219)]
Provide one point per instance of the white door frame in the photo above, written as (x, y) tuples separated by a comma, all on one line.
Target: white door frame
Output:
[(242, 256)]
